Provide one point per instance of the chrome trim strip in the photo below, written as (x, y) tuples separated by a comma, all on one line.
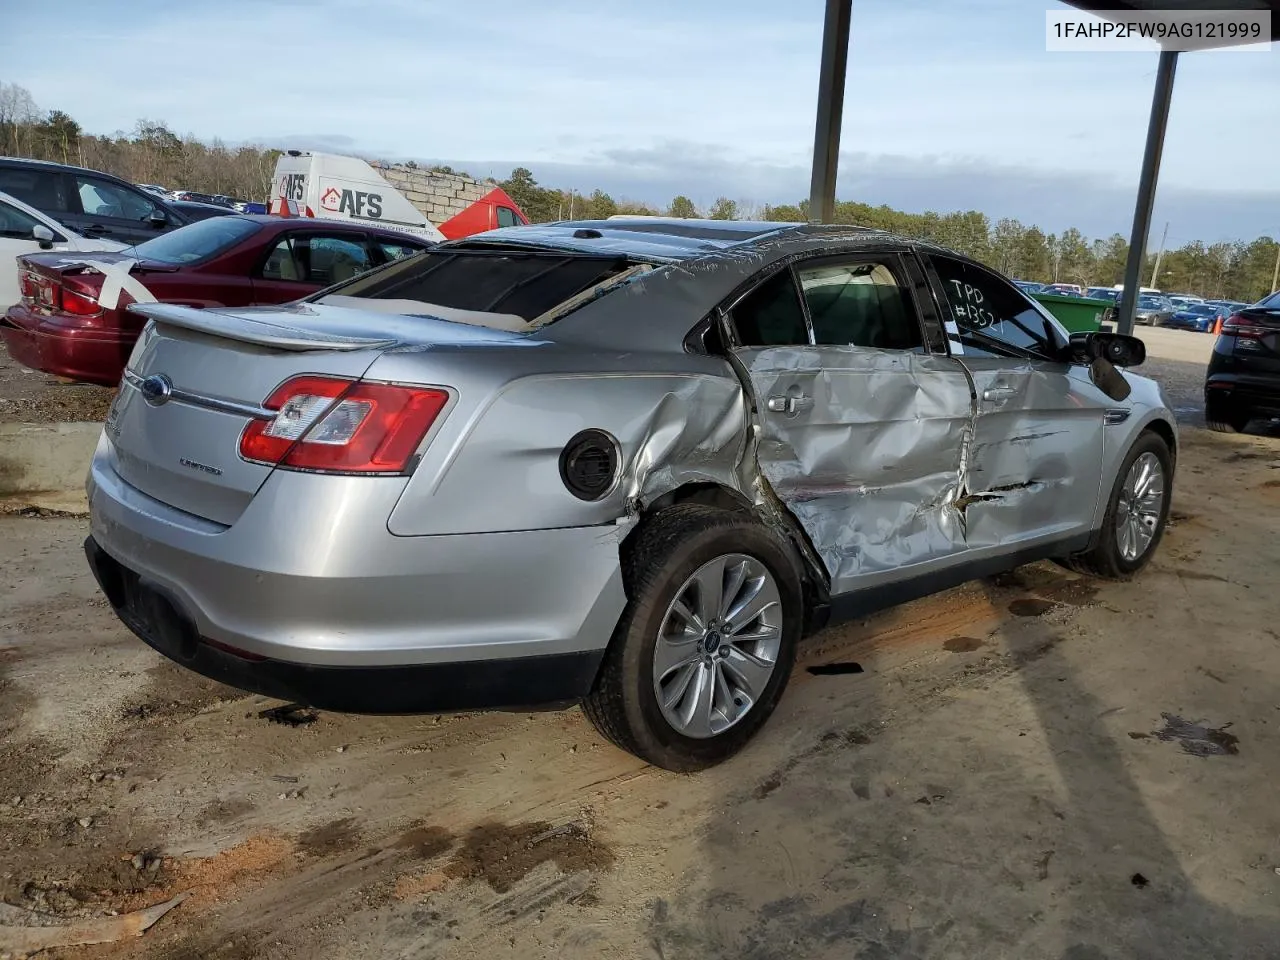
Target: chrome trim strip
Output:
[(220, 404), (1113, 416)]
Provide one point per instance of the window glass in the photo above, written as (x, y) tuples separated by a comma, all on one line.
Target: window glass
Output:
[(992, 315), (526, 285), (507, 217), (285, 262), (861, 304), (98, 198), (771, 315), (42, 189), (397, 251), (197, 241), (15, 224), (334, 259)]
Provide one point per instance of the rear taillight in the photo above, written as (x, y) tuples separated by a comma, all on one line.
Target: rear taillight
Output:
[(79, 304), (342, 426), (28, 287), (1238, 326)]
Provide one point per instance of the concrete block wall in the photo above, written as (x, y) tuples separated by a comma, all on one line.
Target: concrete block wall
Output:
[(439, 196)]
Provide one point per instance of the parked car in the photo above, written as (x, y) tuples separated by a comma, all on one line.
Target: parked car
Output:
[(192, 196), (72, 323), (1063, 289), (1242, 380), (1028, 286), (1153, 309), (155, 189), (92, 204), (1198, 317), (24, 229), (194, 211), (627, 463), (1103, 293)]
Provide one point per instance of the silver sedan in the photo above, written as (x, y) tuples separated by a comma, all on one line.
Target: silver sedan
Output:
[(624, 463)]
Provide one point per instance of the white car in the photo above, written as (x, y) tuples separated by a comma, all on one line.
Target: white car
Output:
[(24, 229)]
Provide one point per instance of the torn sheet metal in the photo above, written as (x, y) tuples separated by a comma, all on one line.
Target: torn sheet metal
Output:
[(696, 434), (1034, 467), (865, 448)]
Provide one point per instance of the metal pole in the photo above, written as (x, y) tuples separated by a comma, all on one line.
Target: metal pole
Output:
[(826, 131), (1275, 274), (1147, 186)]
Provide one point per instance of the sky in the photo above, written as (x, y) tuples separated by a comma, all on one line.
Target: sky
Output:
[(949, 105)]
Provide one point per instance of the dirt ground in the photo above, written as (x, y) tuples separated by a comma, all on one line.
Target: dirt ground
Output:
[(1035, 766), (29, 396)]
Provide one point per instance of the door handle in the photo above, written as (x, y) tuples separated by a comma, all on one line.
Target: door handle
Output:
[(95, 228), (998, 393), (789, 405)]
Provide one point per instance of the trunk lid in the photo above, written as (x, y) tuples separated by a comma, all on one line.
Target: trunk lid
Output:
[(1258, 344), (197, 378)]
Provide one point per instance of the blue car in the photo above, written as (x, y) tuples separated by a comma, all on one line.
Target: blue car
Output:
[(1198, 317)]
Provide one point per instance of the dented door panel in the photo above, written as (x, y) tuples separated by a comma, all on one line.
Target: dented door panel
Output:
[(865, 448), (1034, 466)]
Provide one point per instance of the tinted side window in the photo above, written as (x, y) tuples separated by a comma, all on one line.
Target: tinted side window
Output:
[(862, 304), (14, 224), (43, 189), (992, 315), (99, 198), (771, 314), (507, 217)]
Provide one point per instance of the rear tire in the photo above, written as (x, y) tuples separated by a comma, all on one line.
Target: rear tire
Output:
[(1223, 417), (1108, 557), (657, 650)]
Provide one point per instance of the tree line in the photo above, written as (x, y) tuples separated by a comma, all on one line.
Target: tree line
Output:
[(152, 153)]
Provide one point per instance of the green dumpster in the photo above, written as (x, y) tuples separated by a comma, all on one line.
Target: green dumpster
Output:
[(1078, 314)]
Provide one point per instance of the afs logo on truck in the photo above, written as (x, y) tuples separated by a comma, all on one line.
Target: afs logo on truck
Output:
[(293, 186), (358, 203)]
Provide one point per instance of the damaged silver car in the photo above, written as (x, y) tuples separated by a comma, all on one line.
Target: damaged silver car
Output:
[(627, 463)]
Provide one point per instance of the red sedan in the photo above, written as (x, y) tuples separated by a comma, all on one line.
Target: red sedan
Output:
[(72, 320)]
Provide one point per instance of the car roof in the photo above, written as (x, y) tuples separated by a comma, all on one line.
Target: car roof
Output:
[(52, 165), (665, 238), (316, 223)]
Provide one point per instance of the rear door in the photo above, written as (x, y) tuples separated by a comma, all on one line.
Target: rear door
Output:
[(46, 189), (112, 210), (862, 413), (1034, 469), (304, 261)]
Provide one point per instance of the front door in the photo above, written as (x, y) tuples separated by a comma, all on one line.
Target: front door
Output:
[(862, 425), (1034, 467), (113, 211)]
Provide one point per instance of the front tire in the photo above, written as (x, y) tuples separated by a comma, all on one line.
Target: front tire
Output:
[(706, 643), (1136, 513)]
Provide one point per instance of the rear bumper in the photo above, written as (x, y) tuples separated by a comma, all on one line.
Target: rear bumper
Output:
[(327, 607), (539, 681), (50, 344), (1247, 391)]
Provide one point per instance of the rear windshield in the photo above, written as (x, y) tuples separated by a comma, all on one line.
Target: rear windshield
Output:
[(522, 284), (197, 241)]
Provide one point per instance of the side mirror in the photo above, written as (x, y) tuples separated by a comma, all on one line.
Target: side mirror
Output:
[(43, 235), (157, 219), (1115, 348)]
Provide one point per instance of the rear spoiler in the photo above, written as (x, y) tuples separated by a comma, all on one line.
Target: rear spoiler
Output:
[(232, 326)]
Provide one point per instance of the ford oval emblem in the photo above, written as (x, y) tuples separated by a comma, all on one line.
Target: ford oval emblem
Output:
[(157, 389)]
